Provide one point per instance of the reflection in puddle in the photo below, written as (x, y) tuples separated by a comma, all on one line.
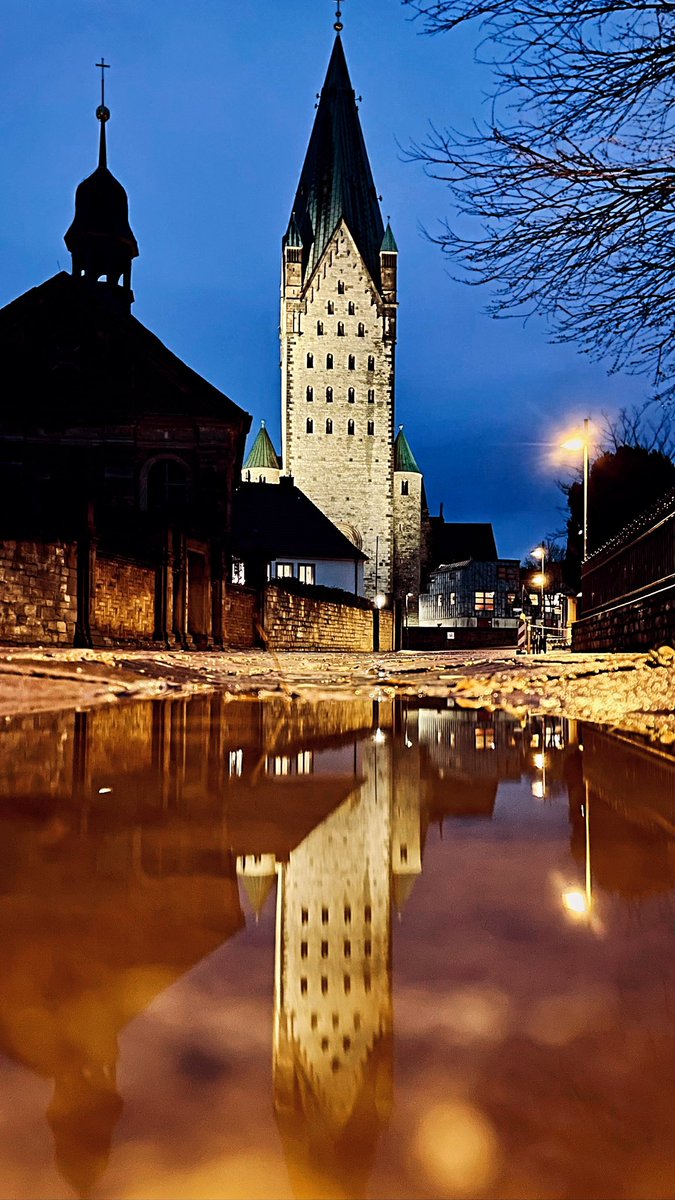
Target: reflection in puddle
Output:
[(184, 885)]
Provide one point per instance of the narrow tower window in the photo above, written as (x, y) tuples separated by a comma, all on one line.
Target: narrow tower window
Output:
[(329, 362), (310, 425), (352, 362), (329, 395), (350, 428), (404, 489), (371, 428), (351, 308), (330, 308), (329, 426), (341, 287), (351, 395), (371, 362), (310, 394), (319, 328), (341, 329), (310, 360), (361, 329), (371, 395)]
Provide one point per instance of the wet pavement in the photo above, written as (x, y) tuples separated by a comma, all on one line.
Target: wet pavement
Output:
[(391, 948)]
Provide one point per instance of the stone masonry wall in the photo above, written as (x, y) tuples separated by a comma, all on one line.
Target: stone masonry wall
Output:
[(296, 621), (38, 593), (386, 630), (642, 625), (240, 614), (349, 476), (124, 601), (408, 538)]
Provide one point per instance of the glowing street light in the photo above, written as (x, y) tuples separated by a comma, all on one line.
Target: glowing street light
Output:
[(581, 442), (578, 902)]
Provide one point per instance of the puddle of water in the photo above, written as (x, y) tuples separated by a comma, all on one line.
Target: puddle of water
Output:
[(353, 949)]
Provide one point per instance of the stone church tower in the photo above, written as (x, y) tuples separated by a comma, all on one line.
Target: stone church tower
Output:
[(338, 333)]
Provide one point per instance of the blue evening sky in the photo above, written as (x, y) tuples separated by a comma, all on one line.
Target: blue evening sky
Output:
[(212, 104)]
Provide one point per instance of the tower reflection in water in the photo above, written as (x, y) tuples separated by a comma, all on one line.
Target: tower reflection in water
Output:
[(131, 836)]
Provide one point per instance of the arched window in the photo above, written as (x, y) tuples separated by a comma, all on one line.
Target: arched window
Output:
[(350, 428), (361, 329), (371, 395), (404, 487), (350, 308), (329, 426), (351, 396), (329, 395), (319, 328), (167, 483), (371, 428), (310, 360), (310, 394), (371, 362), (330, 308), (310, 425), (329, 362), (352, 362), (341, 329), (341, 287)]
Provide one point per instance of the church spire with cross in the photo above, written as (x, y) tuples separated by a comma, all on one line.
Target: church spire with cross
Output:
[(100, 238)]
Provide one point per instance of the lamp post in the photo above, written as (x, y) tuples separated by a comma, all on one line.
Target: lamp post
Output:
[(581, 443), (540, 553)]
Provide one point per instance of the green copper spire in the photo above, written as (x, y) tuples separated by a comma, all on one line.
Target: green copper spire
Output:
[(262, 452), (404, 459), (388, 242), (336, 180)]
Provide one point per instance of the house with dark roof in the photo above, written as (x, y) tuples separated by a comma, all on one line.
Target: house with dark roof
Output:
[(474, 595), (116, 459), (278, 533)]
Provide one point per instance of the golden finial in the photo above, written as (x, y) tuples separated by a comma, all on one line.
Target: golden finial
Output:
[(338, 26)]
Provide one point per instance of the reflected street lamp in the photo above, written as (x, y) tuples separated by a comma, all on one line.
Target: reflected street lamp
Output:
[(581, 443)]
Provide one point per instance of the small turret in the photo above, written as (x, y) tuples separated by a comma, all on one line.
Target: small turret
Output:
[(262, 463), (293, 260)]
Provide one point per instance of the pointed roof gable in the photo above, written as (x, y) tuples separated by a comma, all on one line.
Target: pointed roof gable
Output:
[(262, 452), (336, 180), (404, 459)]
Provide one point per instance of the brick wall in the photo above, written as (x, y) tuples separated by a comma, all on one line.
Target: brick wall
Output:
[(386, 629), (300, 621), (124, 601), (641, 625), (240, 614), (38, 593)]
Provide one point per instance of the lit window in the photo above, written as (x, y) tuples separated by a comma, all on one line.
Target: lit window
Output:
[(329, 362), (371, 362), (452, 598), (510, 597), (329, 426), (534, 598), (371, 395), (484, 737), (319, 328), (310, 360), (371, 428), (341, 329), (305, 762), (404, 489), (350, 428), (351, 362), (485, 602), (307, 571), (341, 287), (351, 395), (284, 570), (310, 394), (329, 395), (238, 569), (310, 425), (235, 762), (439, 601), (361, 331), (350, 308)]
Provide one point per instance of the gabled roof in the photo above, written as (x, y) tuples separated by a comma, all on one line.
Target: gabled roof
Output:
[(457, 541), (262, 452), (404, 459), (336, 180), (71, 351), (277, 520)]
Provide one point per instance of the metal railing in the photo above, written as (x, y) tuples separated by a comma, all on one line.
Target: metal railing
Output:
[(638, 561)]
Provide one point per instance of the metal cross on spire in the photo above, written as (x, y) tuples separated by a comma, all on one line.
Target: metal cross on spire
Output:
[(102, 112), (338, 26)]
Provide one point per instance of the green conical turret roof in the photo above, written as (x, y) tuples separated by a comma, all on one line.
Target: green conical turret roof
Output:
[(262, 452), (336, 180), (404, 459), (388, 242), (293, 233)]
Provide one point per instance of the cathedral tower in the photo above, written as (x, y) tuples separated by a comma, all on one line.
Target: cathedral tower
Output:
[(338, 332)]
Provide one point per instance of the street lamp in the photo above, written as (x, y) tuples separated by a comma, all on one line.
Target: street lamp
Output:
[(540, 579), (581, 443)]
